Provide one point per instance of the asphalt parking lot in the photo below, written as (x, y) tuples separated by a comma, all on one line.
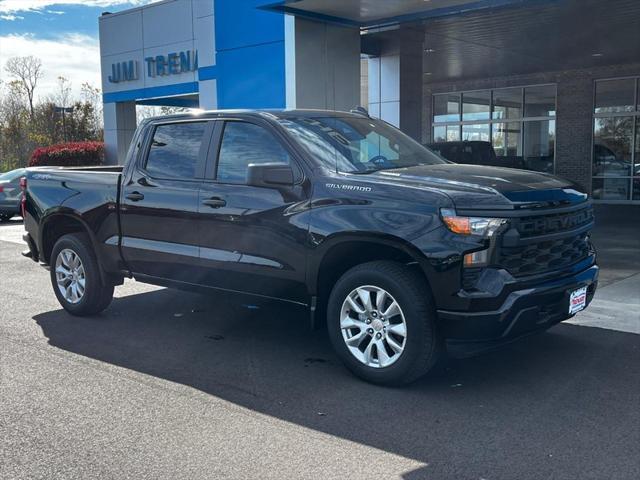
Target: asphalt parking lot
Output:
[(167, 384)]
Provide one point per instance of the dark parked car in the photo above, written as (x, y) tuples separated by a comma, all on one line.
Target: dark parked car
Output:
[(398, 250), (10, 194), (475, 152)]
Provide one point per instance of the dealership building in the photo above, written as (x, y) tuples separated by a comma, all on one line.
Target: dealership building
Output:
[(552, 85)]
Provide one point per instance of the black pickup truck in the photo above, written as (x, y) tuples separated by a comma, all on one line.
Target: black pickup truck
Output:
[(401, 252)]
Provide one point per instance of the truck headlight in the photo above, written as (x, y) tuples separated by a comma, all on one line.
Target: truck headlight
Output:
[(481, 226)]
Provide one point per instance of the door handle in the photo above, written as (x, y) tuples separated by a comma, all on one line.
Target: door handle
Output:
[(215, 202), (134, 196)]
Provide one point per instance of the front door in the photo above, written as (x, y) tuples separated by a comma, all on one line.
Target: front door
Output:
[(252, 239), (159, 202)]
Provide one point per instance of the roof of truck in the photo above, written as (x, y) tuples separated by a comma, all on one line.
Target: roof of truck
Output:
[(273, 113)]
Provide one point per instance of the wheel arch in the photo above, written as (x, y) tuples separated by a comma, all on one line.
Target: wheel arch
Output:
[(60, 223), (343, 252)]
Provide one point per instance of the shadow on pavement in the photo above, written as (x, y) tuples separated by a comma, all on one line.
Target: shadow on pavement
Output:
[(558, 405)]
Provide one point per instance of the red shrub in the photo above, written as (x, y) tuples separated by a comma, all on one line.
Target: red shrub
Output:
[(75, 154)]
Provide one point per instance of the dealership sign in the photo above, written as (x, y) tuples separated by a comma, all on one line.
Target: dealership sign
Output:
[(159, 65)]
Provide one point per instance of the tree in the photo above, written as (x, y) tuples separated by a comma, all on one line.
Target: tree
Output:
[(81, 123), (14, 142), (27, 70), (64, 92), (26, 124), (93, 96)]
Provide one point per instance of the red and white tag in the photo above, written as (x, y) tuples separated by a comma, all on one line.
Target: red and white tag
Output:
[(577, 300)]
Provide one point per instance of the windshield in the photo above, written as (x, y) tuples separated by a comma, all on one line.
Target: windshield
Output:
[(358, 145)]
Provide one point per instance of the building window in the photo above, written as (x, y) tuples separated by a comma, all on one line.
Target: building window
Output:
[(478, 132), (446, 108), (540, 101), (507, 139), (448, 133), (539, 145), (476, 105), (507, 104), (519, 122), (614, 96), (616, 140)]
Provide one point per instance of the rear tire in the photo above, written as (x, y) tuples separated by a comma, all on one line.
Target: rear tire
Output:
[(406, 344), (75, 276)]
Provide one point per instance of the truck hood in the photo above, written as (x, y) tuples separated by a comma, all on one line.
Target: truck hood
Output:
[(480, 187)]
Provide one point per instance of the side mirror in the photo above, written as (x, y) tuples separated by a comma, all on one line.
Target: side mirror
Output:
[(269, 175)]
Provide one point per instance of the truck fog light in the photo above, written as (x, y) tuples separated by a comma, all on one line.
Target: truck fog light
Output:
[(476, 259)]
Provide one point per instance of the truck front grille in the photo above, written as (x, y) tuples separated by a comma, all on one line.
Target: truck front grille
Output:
[(544, 256), (535, 225)]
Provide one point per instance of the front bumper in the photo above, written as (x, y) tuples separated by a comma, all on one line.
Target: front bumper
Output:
[(523, 311)]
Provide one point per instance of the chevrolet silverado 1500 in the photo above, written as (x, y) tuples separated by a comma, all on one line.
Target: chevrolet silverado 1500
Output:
[(400, 251)]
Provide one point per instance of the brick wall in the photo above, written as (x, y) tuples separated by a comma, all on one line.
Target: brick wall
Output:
[(574, 115)]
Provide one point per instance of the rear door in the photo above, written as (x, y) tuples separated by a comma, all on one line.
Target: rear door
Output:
[(159, 202), (252, 239)]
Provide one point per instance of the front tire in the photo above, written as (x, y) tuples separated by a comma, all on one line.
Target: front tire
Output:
[(382, 323), (75, 276)]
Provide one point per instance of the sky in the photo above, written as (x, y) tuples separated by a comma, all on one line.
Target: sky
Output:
[(62, 33)]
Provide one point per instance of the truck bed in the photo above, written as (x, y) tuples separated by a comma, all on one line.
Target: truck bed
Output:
[(89, 194)]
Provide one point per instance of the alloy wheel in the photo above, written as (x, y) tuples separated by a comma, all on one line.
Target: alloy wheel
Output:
[(70, 275), (373, 326)]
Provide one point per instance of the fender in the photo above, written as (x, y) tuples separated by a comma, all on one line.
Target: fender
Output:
[(322, 249), (58, 212)]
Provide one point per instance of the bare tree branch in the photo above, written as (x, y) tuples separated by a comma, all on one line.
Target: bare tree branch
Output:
[(27, 70)]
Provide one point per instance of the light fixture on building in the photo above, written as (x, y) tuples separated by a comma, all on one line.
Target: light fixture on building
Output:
[(429, 50), (597, 54)]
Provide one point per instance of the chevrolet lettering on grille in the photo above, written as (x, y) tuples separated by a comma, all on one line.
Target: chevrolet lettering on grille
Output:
[(559, 223)]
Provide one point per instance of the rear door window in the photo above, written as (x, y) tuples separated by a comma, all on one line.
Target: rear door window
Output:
[(175, 150)]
